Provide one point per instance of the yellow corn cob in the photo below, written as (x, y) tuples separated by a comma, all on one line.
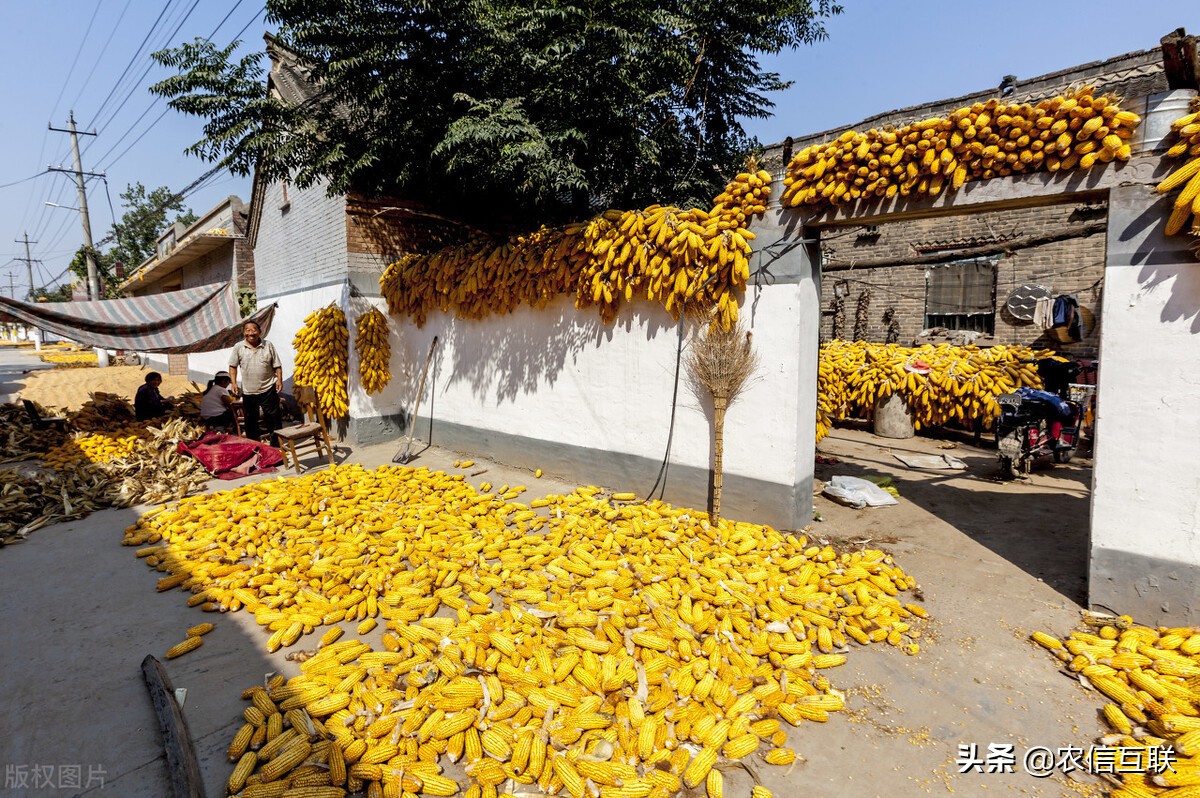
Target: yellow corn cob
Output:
[(287, 759), (241, 742), (315, 792), (741, 746), (242, 771), (780, 756), (188, 644), (698, 768), (200, 629), (274, 789), (714, 784)]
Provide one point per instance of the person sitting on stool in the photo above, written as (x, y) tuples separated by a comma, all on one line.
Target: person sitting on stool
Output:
[(216, 408), (256, 362)]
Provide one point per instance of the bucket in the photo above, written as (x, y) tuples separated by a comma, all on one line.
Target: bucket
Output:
[(1158, 111)]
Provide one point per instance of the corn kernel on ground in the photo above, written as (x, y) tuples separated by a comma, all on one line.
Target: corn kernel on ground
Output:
[(533, 642), (1151, 678)]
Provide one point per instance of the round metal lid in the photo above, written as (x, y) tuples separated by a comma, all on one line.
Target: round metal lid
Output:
[(1022, 301)]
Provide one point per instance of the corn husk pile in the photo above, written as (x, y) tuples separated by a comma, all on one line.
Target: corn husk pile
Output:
[(1151, 677), (943, 384), (580, 638), (989, 139), (19, 440), (102, 412), (155, 471), (152, 471), (30, 502)]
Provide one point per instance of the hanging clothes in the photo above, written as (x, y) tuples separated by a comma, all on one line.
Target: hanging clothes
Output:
[(1066, 315), (1043, 313)]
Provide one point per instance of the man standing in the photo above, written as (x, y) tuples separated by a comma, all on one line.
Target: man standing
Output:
[(256, 373)]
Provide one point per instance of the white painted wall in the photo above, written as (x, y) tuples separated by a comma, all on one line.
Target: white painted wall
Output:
[(560, 375), (1145, 557)]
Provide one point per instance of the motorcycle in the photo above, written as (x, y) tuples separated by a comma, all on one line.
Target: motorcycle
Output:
[(1037, 424)]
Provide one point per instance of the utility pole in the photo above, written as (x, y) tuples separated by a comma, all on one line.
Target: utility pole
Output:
[(93, 272), (29, 261)]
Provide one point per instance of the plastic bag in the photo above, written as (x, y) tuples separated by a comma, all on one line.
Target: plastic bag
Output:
[(857, 492)]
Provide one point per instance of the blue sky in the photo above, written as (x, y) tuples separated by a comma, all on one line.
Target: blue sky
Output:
[(878, 56)]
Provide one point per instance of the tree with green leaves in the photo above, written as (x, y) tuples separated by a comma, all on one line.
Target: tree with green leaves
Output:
[(500, 111), (135, 234)]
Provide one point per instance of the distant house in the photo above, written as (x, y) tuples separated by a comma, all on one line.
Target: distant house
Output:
[(212, 251)]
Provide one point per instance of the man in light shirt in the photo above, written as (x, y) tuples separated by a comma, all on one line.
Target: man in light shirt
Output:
[(256, 373)]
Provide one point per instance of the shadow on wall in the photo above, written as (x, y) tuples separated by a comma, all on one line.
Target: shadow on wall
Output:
[(1165, 260), (528, 348)]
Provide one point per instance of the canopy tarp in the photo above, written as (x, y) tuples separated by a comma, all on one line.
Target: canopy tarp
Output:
[(204, 319)]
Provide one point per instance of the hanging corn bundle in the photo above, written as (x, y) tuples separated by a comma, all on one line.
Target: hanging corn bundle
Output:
[(1187, 132), (322, 356), (374, 351)]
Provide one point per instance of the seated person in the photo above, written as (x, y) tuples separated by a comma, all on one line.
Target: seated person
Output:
[(148, 403), (216, 408)]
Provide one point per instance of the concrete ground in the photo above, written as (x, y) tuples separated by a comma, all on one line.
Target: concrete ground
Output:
[(995, 562), (14, 363)]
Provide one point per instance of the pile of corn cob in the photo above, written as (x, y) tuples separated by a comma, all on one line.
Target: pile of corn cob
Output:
[(663, 254), (374, 351), (579, 638), (1151, 676), (95, 447), (960, 387), (70, 358), (978, 142), (322, 356), (102, 412), (1187, 204)]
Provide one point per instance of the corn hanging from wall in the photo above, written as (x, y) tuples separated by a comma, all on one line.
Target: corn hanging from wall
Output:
[(374, 351), (322, 356)]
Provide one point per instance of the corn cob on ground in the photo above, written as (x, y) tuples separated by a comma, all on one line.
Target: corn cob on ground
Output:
[(559, 628), (1150, 677)]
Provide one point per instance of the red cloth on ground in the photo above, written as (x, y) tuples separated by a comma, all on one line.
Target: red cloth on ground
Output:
[(232, 457)]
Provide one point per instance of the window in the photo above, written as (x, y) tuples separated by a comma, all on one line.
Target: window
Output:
[(962, 295)]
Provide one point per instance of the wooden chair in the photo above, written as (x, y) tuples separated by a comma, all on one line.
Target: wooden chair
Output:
[(309, 436), (44, 422)]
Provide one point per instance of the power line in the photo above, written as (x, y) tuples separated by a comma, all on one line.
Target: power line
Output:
[(22, 180), (133, 59), (92, 72), (157, 100), (75, 60)]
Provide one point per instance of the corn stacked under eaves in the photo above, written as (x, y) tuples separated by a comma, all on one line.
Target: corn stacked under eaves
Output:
[(577, 638), (374, 351), (977, 142), (322, 359), (1151, 676), (1186, 130), (960, 388), (664, 254)]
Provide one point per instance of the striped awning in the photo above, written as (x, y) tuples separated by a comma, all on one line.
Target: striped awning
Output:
[(204, 319)]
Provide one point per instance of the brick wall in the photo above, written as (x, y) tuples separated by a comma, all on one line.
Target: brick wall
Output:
[(243, 254), (1073, 266), (301, 242)]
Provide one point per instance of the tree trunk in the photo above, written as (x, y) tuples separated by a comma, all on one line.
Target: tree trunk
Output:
[(719, 404)]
